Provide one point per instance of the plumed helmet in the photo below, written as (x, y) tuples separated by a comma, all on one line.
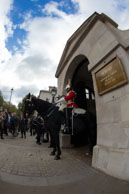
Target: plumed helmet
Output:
[(67, 86)]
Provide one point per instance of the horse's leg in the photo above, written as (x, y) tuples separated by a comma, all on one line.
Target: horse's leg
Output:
[(92, 134), (47, 135), (54, 143), (53, 151), (57, 157), (51, 139)]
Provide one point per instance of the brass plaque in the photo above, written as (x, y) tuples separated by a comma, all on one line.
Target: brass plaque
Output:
[(110, 76)]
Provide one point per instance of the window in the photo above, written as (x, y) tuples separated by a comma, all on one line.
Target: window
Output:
[(89, 94)]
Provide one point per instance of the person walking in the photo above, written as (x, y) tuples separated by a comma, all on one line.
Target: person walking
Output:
[(6, 122), (22, 126), (39, 127), (32, 126), (1, 124), (13, 123)]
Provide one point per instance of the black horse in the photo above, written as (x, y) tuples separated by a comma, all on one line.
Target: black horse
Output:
[(53, 118)]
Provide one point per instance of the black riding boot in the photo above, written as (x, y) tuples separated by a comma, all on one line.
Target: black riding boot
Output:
[(67, 121), (1, 133)]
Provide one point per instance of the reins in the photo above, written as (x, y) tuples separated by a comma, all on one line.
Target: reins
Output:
[(50, 111)]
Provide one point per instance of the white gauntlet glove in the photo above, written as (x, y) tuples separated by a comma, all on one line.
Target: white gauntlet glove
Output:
[(60, 100)]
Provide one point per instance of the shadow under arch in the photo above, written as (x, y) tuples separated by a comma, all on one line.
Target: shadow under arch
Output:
[(72, 67), (82, 84)]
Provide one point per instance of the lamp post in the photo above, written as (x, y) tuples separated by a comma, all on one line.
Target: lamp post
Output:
[(53, 93), (10, 97)]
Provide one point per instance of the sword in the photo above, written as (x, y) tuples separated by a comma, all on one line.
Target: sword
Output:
[(72, 119)]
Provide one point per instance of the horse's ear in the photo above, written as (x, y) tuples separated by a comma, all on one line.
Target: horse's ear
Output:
[(29, 96)]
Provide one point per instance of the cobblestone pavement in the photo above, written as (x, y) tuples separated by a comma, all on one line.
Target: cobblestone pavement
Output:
[(28, 168), (23, 157)]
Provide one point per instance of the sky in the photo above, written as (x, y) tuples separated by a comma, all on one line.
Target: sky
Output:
[(33, 34)]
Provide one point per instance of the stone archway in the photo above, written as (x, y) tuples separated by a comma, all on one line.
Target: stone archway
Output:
[(82, 84), (73, 68)]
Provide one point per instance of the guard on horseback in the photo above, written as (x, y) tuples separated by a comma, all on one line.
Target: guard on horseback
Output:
[(83, 125), (69, 99)]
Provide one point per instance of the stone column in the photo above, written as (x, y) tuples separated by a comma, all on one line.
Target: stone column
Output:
[(111, 154)]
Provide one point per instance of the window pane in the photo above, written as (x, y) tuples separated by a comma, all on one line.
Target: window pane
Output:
[(87, 93), (87, 96), (93, 98)]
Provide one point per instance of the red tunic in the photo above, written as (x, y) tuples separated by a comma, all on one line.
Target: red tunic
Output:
[(70, 99)]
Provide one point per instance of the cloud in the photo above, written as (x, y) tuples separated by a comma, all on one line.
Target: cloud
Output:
[(22, 91), (19, 93), (116, 9), (33, 67), (5, 92), (5, 28)]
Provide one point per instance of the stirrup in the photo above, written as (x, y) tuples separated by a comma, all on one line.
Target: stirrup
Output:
[(66, 130)]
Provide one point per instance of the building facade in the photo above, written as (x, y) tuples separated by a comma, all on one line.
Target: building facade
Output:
[(96, 60), (48, 95)]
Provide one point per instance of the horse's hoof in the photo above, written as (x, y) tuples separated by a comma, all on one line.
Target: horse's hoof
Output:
[(52, 154), (50, 146), (57, 158)]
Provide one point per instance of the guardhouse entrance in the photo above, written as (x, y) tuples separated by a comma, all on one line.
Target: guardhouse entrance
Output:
[(82, 84)]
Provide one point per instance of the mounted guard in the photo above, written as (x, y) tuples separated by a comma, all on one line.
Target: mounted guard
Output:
[(84, 125), (69, 100)]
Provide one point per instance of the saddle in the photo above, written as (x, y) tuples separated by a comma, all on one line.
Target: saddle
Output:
[(61, 106), (76, 111), (79, 111)]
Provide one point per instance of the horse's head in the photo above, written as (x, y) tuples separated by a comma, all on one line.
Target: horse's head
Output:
[(28, 106)]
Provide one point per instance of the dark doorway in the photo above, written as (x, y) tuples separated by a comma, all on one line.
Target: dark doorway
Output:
[(83, 86)]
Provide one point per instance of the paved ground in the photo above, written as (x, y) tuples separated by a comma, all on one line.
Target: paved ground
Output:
[(29, 168)]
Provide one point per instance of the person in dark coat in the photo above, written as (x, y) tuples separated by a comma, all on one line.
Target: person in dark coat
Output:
[(39, 127), (22, 126), (6, 122), (13, 124), (1, 124), (32, 126)]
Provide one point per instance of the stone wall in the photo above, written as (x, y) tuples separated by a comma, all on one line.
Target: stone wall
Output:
[(100, 43)]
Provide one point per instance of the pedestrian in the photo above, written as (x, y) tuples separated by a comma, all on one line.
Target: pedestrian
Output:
[(39, 127), (9, 125), (22, 126), (1, 124), (13, 124), (26, 124), (6, 121), (32, 126)]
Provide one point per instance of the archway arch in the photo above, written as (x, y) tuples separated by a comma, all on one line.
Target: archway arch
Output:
[(82, 84), (72, 68)]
